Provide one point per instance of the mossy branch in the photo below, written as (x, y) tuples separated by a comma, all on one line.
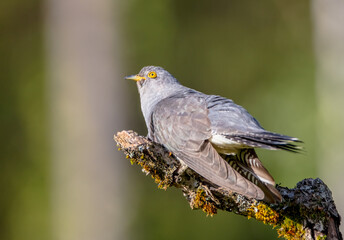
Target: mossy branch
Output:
[(307, 211)]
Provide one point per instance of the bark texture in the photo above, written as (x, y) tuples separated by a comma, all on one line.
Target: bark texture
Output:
[(307, 211)]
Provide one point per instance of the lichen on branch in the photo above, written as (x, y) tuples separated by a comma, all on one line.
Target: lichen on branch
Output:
[(307, 211)]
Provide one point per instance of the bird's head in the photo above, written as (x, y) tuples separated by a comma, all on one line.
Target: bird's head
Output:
[(152, 77)]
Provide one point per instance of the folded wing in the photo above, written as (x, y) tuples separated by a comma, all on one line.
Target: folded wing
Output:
[(182, 125)]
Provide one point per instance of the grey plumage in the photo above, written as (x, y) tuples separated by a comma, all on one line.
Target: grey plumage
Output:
[(212, 135)]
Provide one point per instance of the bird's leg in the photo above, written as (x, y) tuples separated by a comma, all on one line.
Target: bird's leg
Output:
[(209, 193), (183, 167)]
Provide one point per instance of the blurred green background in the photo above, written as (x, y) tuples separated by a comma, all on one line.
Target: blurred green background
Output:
[(260, 54)]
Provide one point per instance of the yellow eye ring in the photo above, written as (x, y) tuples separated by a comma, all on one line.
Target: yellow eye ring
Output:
[(152, 74)]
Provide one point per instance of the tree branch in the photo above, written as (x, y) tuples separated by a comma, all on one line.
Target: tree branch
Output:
[(307, 212)]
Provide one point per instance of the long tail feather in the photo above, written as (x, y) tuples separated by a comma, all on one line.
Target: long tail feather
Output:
[(269, 140)]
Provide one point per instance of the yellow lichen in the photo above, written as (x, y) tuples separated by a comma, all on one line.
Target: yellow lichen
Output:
[(146, 168), (263, 213), (151, 168), (287, 228), (201, 202), (162, 183), (157, 179), (290, 229)]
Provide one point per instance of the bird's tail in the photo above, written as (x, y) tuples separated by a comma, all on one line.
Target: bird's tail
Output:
[(269, 140), (250, 167)]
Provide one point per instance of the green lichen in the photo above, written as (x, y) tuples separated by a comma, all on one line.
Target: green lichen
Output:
[(323, 237), (315, 215)]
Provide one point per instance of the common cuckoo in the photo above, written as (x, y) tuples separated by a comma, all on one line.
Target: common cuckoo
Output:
[(211, 134)]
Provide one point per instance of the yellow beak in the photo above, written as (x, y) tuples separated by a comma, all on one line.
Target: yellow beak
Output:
[(135, 78)]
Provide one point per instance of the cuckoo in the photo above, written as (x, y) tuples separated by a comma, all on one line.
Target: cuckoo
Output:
[(210, 134)]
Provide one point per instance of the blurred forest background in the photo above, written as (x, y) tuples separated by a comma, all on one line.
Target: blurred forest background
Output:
[(63, 96)]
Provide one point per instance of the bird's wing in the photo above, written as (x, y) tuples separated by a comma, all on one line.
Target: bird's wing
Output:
[(232, 125), (182, 125)]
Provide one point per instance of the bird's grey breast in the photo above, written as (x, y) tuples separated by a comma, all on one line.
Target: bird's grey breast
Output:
[(154, 93)]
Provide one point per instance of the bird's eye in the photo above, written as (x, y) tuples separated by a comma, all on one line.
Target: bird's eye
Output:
[(152, 74)]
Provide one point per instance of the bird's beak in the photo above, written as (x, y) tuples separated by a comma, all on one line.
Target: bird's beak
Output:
[(136, 78)]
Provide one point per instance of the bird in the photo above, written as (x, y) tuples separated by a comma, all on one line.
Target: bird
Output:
[(211, 134)]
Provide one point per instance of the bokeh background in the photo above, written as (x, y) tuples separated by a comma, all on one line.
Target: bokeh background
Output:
[(63, 96)]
